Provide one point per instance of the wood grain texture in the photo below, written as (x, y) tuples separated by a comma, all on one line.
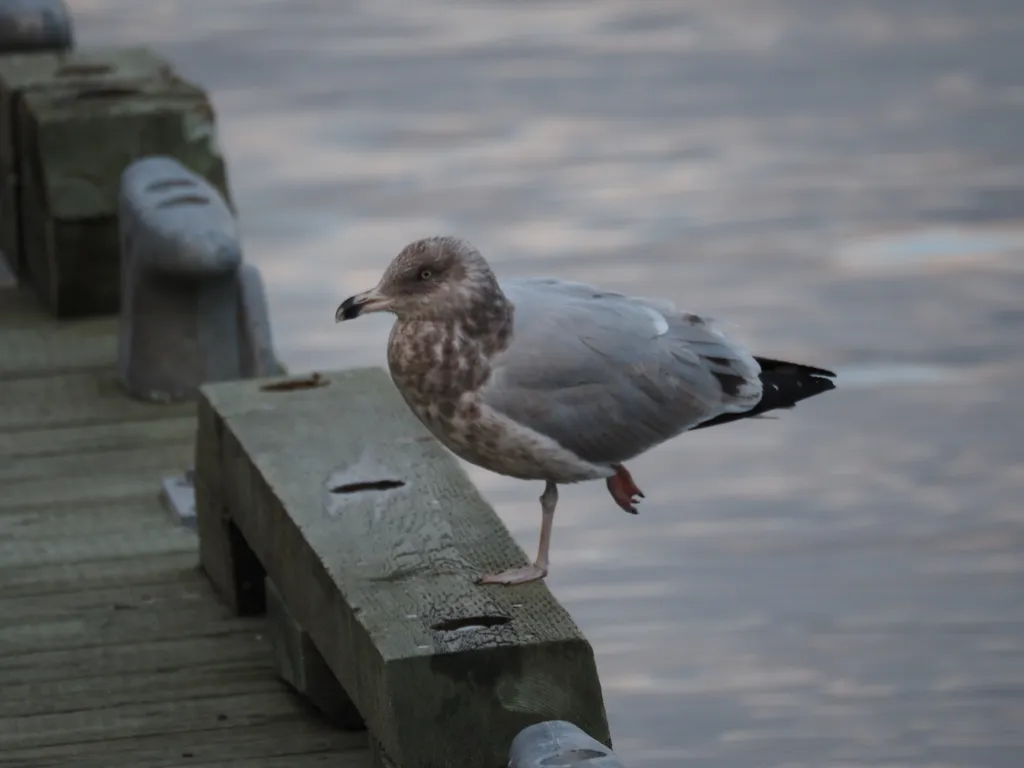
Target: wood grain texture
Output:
[(42, 580), (103, 722), (60, 492), (287, 743), (75, 440), (35, 346), (121, 465), (113, 648), (34, 352), (139, 659), (375, 576), (85, 398)]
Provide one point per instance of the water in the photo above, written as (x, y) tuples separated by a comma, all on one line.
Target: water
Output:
[(887, 375), (936, 247), (842, 182)]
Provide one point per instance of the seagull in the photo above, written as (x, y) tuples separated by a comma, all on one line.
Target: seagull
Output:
[(544, 379)]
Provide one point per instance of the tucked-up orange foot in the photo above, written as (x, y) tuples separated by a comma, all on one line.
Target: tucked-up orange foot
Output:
[(624, 490)]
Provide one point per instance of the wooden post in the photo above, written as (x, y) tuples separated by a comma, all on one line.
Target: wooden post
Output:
[(374, 537), (25, 73), (187, 315), (559, 744), (76, 144)]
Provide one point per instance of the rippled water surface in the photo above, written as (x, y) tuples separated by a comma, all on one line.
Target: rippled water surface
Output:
[(842, 182)]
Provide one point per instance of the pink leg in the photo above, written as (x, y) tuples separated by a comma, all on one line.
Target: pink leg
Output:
[(624, 490), (539, 569)]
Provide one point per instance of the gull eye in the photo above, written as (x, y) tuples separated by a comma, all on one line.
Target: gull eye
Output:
[(426, 274)]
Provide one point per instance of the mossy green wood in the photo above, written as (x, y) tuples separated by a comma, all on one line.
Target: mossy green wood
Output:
[(373, 575), (76, 144), (24, 73)]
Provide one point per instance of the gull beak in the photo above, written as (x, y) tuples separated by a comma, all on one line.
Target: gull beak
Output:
[(361, 304)]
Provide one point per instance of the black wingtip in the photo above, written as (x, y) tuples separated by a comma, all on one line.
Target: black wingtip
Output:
[(785, 384), (771, 365)]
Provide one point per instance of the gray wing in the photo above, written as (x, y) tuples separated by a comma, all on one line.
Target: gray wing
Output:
[(609, 376)]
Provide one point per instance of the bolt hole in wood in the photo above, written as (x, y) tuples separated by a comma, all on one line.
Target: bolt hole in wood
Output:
[(575, 757), (373, 485), (470, 623), (290, 385)]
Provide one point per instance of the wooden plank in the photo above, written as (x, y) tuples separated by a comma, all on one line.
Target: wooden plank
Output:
[(76, 440), (71, 490), (116, 466), (384, 581), (119, 628), (179, 605), (225, 677), (286, 741), (76, 399), (102, 603), (88, 518), (351, 760), (74, 549), (96, 574), (243, 643), (105, 723), (57, 348)]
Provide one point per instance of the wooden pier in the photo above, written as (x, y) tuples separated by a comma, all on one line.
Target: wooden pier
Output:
[(114, 649), (203, 562)]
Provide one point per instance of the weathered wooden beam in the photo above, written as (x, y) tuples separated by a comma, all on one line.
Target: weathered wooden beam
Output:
[(25, 73), (190, 313), (300, 665), (225, 555), (559, 744), (75, 145), (374, 536), (35, 25)]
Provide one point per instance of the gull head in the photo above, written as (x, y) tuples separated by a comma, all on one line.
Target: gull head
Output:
[(435, 278)]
